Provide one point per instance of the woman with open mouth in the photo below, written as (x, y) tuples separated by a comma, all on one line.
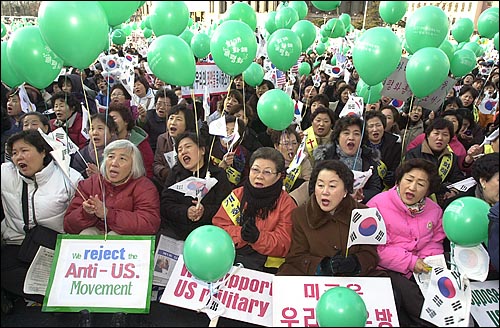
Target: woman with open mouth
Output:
[(68, 111)]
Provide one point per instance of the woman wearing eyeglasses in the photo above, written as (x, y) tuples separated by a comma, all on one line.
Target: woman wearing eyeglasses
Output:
[(258, 215)]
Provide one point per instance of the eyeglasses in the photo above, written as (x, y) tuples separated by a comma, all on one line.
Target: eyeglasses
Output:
[(117, 95), (266, 173), (163, 103)]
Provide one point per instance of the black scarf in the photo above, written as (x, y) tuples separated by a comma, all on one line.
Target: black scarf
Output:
[(259, 201)]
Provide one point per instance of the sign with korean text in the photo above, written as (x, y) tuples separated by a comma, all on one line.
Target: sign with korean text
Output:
[(484, 307), (295, 299), (208, 75), (101, 275)]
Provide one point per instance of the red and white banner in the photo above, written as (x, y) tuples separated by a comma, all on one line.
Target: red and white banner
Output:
[(210, 76)]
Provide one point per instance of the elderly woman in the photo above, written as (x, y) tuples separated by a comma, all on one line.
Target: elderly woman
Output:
[(257, 215), (33, 188), (319, 134), (182, 213), (414, 231), (321, 228), (35, 120), (120, 200)]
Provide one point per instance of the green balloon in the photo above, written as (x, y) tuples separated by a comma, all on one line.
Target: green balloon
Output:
[(200, 44), (118, 37), (465, 221), (270, 25), (462, 29), (187, 36), (243, 12), (320, 48), (147, 22), (346, 19), (336, 28), (208, 253), (326, 5), (462, 62), (254, 74), (370, 94), (31, 58), (275, 109), (341, 307), (190, 22), (376, 54), (476, 48), (300, 7), (233, 47), (304, 68), (83, 23), (487, 23), (127, 29), (284, 48), (286, 17), (147, 33), (323, 39), (426, 27), (119, 11), (4, 30), (176, 68), (426, 70), (448, 49), (391, 12), (495, 41), (169, 17), (9, 76), (306, 31)]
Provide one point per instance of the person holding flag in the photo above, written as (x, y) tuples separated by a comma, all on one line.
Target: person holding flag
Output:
[(414, 232), (69, 116)]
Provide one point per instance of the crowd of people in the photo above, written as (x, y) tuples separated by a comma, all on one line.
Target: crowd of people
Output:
[(291, 219)]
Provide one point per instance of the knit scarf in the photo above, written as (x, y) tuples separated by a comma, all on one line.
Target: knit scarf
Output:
[(416, 208), (100, 150), (259, 201), (349, 160)]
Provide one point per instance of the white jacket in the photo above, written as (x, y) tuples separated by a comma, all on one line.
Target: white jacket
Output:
[(49, 195), (148, 101)]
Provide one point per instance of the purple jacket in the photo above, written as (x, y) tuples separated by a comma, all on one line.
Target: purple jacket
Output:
[(409, 237)]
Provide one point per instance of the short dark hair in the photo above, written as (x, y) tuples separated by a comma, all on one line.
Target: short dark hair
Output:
[(468, 88), (276, 135), (69, 98), (323, 110), (34, 138), (485, 167), (321, 98), (124, 112), (106, 119), (440, 123), (188, 116), (201, 142), (248, 110), (43, 119), (419, 163), (271, 154), (165, 92), (375, 113), (454, 112), (141, 79), (333, 165), (342, 124)]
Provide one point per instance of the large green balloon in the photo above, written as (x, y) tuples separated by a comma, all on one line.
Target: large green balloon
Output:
[(147, 33), (370, 94), (320, 48), (474, 47), (254, 74), (233, 47), (341, 307), (346, 19), (426, 70), (462, 29), (200, 43), (426, 27), (9, 76), (306, 31), (392, 11), (31, 58), (465, 221), (275, 109), (326, 5), (187, 36), (119, 11), (335, 28), (270, 25), (209, 253), (243, 12), (462, 62), (487, 23), (376, 54), (118, 37), (76, 31), (300, 7), (284, 48), (169, 17), (286, 17), (171, 59)]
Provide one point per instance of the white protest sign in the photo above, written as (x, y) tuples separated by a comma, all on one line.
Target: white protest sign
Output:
[(295, 299), (436, 99), (395, 86), (166, 255), (484, 307), (247, 295), (211, 76), (112, 275)]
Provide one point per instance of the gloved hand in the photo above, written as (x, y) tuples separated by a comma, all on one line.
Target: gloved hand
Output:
[(249, 231), (339, 265)]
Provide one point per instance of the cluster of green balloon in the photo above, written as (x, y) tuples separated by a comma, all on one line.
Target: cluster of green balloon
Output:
[(243, 12), (269, 25), (465, 221), (462, 29), (333, 28), (487, 23), (376, 54), (209, 253), (233, 47), (284, 48), (285, 17), (275, 109), (426, 70), (254, 74), (326, 5), (118, 12), (84, 24), (370, 94), (31, 58), (8, 75), (341, 307), (300, 7), (426, 27), (179, 67), (391, 12), (306, 31), (169, 17)]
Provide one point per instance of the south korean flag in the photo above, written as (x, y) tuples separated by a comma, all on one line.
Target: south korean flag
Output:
[(367, 227)]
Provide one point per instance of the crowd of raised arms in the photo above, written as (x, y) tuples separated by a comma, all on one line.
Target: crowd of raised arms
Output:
[(294, 189)]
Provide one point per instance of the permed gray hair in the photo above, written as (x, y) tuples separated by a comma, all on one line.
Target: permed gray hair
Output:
[(138, 169)]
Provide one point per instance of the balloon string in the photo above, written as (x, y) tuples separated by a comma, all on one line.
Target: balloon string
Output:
[(244, 100), (363, 115), (406, 129), (197, 130)]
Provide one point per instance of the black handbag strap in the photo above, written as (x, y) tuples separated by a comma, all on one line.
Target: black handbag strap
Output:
[(24, 200)]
